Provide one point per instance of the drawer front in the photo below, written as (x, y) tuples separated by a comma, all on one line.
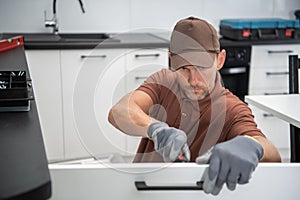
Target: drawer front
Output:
[(276, 130), (93, 58), (269, 78), (136, 77), (272, 55), (268, 91), (147, 59)]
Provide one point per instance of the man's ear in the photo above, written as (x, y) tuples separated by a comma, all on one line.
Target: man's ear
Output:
[(221, 59)]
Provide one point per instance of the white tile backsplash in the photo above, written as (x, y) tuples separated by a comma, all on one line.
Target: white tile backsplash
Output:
[(127, 15)]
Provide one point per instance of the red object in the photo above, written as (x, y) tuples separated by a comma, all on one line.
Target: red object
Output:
[(289, 32), (11, 43), (180, 157), (246, 33)]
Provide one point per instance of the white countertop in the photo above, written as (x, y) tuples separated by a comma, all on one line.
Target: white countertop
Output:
[(285, 107)]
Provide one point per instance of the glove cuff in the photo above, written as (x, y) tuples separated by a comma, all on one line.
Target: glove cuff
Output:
[(154, 128)]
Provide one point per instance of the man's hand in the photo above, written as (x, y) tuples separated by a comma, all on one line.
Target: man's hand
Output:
[(169, 142), (232, 162)]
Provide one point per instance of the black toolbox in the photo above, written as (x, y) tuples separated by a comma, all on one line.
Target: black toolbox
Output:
[(15, 84), (260, 29)]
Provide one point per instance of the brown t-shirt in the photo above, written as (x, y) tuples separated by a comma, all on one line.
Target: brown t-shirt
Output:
[(218, 117)]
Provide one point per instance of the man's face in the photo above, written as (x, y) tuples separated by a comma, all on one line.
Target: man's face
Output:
[(197, 81)]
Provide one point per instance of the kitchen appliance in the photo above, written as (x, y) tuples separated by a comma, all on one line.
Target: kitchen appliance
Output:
[(235, 72)]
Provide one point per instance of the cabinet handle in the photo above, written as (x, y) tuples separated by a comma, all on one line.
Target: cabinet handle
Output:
[(92, 56), (147, 55), (276, 73), (279, 51), (140, 77), (275, 93), (268, 115), (233, 70), (141, 185)]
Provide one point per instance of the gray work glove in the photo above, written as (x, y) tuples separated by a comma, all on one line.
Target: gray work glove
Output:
[(232, 162), (169, 142)]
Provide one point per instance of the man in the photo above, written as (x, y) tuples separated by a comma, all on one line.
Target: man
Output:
[(185, 114)]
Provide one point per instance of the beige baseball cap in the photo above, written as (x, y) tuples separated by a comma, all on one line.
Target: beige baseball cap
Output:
[(194, 42)]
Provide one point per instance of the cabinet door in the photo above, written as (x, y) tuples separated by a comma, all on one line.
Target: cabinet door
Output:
[(44, 66), (141, 63), (276, 130), (269, 76), (92, 82)]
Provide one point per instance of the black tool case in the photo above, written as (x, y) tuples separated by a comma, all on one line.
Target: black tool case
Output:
[(260, 29), (15, 83)]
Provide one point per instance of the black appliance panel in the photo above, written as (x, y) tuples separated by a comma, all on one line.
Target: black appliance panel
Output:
[(235, 72)]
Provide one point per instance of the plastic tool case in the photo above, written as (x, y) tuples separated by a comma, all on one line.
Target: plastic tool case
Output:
[(15, 85), (260, 29)]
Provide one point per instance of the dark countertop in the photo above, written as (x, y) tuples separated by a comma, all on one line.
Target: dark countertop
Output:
[(88, 41), (24, 167), (122, 40)]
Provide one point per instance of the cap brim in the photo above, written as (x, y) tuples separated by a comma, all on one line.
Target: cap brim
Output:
[(203, 59)]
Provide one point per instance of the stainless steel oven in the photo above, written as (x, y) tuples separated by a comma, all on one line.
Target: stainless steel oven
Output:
[(235, 72)]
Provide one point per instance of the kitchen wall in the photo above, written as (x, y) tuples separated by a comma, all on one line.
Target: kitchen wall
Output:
[(128, 15)]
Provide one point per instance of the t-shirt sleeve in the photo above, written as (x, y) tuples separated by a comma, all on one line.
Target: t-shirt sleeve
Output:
[(243, 122)]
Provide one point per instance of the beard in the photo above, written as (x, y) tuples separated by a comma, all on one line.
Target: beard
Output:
[(196, 92)]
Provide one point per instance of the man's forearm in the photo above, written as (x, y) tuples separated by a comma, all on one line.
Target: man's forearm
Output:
[(128, 117), (270, 152)]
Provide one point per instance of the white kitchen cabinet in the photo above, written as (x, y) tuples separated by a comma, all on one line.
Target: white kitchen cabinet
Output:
[(269, 76), (92, 81), (166, 181), (74, 91), (44, 66), (141, 63)]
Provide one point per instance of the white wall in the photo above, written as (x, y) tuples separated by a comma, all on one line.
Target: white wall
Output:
[(128, 15)]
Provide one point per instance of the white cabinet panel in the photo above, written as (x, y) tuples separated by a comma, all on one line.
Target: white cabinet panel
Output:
[(140, 64), (269, 181), (45, 72), (273, 56), (275, 129), (92, 82), (146, 59), (270, 78), (269, 124), (269, 75)]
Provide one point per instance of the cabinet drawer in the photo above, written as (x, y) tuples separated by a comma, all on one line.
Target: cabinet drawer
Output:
[(276, 130), (268, 91), (269, 78), (272, 55), (147, 58), (136, 77)]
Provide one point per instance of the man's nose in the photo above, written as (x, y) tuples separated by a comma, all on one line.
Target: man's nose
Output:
[(195, 77)]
